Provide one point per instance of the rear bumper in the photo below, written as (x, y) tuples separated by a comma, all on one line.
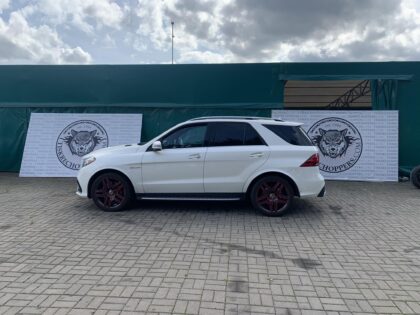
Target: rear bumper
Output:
[(309, 181)]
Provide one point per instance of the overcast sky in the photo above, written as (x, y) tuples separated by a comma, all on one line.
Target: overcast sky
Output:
[(207, 31)]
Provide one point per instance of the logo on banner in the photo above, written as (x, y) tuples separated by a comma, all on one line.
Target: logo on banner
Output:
[(339, 142), (77, 139)]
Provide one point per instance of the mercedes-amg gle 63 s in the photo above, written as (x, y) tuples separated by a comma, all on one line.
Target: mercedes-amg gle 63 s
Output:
[(266, 160)]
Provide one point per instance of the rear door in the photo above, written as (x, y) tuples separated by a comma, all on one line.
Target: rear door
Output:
[(235, 151)]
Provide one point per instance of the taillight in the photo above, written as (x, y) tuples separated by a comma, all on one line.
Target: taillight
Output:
[(312, 161)]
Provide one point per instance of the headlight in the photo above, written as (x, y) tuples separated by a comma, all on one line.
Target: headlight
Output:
[(88, 160)]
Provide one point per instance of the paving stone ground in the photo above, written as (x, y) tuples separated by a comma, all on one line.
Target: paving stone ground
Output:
[(356, 251)]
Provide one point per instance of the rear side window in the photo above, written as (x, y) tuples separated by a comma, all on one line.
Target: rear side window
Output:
[(291, 134), (252, 137), (233, 134)]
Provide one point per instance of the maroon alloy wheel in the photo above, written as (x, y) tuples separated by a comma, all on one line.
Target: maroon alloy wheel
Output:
[(110, 192), (272, 195)]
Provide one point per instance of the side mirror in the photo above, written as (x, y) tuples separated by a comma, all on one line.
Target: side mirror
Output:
[(157, 146)]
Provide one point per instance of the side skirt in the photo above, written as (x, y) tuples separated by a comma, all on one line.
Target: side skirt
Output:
[(193, 196)]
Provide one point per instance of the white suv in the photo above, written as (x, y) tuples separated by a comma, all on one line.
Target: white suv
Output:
[(209, 158)]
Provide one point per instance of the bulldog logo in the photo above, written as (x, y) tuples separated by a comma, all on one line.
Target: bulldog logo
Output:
[(339, 142), (78, 139)]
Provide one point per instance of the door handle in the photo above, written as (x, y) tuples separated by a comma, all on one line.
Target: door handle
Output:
[(194, 156), (256, 154)]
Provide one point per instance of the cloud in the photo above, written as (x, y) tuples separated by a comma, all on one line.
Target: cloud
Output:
[(393, 37), (75, 55), (272, 30), (86, 15), (198, 56), (4, 4), (21, 43), (153, 24), (195, 28), (211, 31)]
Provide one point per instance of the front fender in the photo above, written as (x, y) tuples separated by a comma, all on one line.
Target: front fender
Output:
[(133, 174)]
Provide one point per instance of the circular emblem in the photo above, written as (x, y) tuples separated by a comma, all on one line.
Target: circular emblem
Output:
[(339, 142), (77, 139)]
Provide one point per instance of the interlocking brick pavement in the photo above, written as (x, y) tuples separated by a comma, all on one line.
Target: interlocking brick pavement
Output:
[(356, 251)]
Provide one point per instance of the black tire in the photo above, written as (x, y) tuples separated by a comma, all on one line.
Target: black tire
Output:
[(415, 176), (111, 192), (272, 195)]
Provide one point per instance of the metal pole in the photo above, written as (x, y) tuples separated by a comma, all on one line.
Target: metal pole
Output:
[(172, 23)]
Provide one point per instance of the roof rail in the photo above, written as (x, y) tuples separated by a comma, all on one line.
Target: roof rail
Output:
[(235, 117)]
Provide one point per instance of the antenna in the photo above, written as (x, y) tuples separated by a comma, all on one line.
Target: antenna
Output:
[(172, 24)]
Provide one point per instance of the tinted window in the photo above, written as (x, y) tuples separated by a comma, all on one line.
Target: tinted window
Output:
[(233, 134), (252, 137), (186, 137), (291, 134)]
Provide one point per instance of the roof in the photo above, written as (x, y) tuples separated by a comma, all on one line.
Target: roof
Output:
[(235, 118), (245, 119)]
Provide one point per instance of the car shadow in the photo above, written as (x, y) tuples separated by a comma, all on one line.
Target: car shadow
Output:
[(300, 207), (192, 206)]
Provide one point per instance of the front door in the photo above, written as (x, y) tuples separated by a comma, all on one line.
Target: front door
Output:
[(179, 166)]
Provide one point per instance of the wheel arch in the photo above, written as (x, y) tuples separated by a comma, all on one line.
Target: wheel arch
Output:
[(109, 170), (415, 176), (283, 175)]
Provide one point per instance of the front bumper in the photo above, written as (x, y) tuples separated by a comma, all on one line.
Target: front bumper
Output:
[(82, 182), (79, 188), (322, 192)]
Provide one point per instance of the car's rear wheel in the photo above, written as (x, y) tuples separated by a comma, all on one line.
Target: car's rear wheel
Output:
[(272, 195), (111, 192), (415, 176)]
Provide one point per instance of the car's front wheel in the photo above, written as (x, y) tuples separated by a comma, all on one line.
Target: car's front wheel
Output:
[(111, 192), (272, 195)]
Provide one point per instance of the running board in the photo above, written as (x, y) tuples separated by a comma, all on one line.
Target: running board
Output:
[(193, 196)]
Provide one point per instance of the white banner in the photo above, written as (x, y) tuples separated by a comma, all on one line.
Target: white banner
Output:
[(353, 145), (55, 142)]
